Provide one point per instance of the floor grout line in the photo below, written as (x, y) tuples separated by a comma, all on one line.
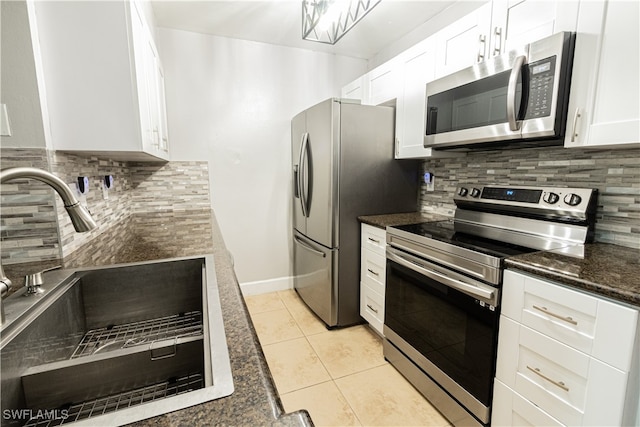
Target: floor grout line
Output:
[(323, 363), (332, 380)]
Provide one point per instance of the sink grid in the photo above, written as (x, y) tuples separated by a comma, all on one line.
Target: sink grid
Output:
[(137, 333), (115, 402)]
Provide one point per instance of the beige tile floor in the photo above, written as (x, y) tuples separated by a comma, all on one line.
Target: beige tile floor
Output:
[(339, 376)]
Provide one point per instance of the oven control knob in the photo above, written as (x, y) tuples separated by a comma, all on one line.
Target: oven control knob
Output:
[(572, 199), (475, 192), (551, 198), (463, 192)]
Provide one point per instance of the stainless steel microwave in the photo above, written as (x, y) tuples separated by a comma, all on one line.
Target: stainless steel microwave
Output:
[(518, 97)]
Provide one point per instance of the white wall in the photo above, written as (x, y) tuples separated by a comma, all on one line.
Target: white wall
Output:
[(230, 102)]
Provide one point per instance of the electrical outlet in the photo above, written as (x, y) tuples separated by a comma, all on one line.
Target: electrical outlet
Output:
[(430, 181)]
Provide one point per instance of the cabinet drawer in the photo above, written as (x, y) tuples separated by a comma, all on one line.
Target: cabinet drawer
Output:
[(372, 307), (511, 409), (372, 270), (374, 239), (571, 386), (597, 327)]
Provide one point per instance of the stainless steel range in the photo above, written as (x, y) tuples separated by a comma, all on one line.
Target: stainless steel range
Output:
[(443, 286)]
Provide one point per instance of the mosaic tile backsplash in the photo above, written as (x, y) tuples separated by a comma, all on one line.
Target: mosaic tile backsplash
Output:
[(35, 226), (138, 188), (614, 172), (28, 224)]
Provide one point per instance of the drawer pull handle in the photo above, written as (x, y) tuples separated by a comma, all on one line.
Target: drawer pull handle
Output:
[(372, 309), (543, 376), (372, 272), (374, 240), (567, 319)]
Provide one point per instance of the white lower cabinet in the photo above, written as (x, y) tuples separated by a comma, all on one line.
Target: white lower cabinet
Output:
[(372, 275), (564, 357), (511, 409)]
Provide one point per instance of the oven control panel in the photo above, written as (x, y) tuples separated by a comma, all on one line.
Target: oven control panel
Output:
[(560, 200)]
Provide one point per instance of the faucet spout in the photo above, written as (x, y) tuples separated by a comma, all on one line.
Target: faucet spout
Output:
[(80, 217)]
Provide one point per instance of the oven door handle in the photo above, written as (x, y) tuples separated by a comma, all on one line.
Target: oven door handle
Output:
[(419, 266)]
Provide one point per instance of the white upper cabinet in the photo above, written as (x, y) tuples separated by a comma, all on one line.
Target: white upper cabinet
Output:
[(417, 68), (463, 43), (498, 27), (103, 80), (383, 83), (515, 23), (355, 89), (603, 106)]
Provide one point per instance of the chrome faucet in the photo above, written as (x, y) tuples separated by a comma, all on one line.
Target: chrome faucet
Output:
[(80, 217)]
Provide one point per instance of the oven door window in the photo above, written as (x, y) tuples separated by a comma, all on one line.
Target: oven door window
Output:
[(448, 327)]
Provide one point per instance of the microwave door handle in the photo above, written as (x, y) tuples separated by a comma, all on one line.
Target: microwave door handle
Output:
[(514, 125)]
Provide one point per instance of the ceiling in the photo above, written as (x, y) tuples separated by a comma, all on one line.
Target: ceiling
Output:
[(279, 22)]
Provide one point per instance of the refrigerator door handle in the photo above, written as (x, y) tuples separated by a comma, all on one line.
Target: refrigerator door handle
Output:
[(308, 247), (296, 187), (302, 172)]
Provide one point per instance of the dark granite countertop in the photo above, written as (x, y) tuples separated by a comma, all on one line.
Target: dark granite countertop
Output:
[(143, 237), (389, 220), (604, 269)]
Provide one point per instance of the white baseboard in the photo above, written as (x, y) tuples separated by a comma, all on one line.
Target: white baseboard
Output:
[(266, 286)]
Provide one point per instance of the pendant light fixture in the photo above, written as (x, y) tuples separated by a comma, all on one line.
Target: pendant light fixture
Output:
[(326, 21)]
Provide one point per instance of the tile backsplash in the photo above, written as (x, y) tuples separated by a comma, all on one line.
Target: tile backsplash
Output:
[(35, 225), (614, 172), (28, 224)]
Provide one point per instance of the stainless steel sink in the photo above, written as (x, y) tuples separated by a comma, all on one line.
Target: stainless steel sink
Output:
[(114, 345)]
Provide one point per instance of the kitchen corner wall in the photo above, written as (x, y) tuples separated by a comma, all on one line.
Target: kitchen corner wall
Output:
[(615, 173), (35, 225)]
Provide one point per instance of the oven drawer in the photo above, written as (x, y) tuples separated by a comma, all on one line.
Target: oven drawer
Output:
[(372, 270), (597, 327), (373, 238), (372, 307), (569, 385), (511, 409)]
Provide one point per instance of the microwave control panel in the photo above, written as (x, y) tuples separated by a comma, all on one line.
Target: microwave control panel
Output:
[(541, 79)]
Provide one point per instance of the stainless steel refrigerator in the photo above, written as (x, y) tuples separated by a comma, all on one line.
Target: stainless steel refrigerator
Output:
[(343, 167)]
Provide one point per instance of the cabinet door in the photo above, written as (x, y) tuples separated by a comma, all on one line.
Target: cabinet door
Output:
[(383, 83), (603, 107), (162, 111), (150, 82), (511, 409), (463, 43), (600, 328), (515, 23), (372, 307), (567, 384), (354, 90), (418, 68)]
